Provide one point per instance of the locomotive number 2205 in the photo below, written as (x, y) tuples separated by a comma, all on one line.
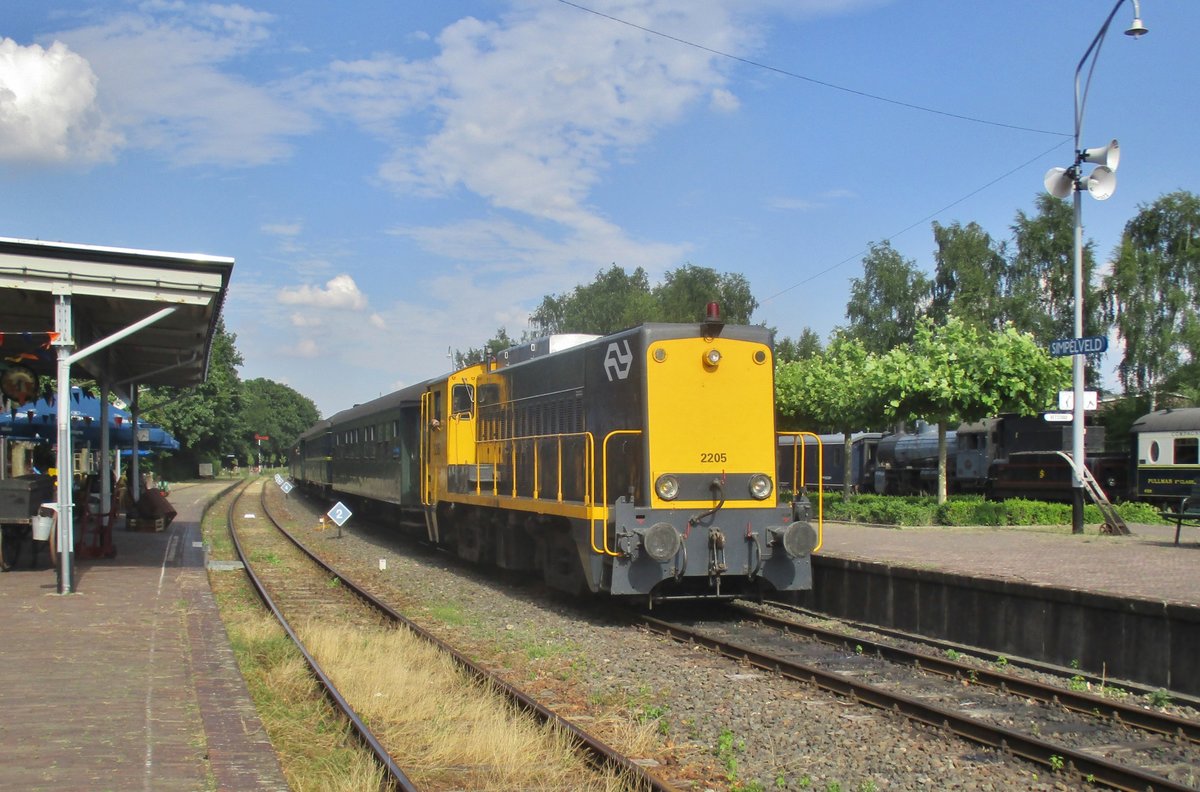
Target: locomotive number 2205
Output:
[(716, 456)]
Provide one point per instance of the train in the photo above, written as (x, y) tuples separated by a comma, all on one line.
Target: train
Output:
[(1007, 456), (639, 465), (1165, 456)]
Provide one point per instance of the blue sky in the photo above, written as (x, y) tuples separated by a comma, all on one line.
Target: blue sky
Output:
[(398, 179)]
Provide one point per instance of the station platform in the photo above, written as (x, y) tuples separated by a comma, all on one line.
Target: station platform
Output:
[(1145, 565), (130, 683), (1116, 607)]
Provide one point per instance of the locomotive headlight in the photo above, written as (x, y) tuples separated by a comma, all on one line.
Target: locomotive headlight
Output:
[(667, 487), (712, 358), (760, 486), (661, 541)]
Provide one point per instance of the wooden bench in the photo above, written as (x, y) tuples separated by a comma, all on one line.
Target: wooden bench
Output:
[(1186, 513)]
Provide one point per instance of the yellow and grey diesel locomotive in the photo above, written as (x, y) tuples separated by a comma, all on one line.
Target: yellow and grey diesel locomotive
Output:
[(640, 464)]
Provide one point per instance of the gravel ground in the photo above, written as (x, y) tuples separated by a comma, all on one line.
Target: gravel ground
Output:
[(713, 724)]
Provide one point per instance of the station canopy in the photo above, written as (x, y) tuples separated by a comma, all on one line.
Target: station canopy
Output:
[(102, 292)]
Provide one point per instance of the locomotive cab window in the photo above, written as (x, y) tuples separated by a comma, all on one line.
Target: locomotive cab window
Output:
[(462, 400)]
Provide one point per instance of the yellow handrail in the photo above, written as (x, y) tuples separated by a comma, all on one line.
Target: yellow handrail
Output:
[(426, 449), (604, 482), (509, 446), (798, 463)]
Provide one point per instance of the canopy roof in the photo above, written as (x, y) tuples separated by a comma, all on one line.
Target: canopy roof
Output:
[(111, 289)]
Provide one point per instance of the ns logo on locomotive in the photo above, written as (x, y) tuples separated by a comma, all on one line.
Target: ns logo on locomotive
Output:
[(639, 465)]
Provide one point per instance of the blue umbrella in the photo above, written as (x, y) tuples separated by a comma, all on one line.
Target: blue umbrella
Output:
[(39, 421)]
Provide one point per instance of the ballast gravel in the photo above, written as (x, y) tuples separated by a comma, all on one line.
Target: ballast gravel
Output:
[(711, 723)]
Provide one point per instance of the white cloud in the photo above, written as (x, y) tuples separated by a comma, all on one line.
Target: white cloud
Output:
[(723, 101), (282, 229), (306, 320), (340, 292), (164, 82), (48, 110), (528, 111)]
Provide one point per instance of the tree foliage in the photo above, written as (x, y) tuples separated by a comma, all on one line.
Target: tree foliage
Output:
[(208, 420), (616, 300), (278, 412), (957, 372), (886, 302), (684, 293), (1154, 295), (613, 301), (832, 391), (497, 343), (970, 277), (806, 346), (1040, 288)]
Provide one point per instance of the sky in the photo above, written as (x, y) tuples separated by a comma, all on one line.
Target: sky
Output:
[(398, 179)]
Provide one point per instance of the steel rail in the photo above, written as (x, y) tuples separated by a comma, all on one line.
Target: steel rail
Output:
[(1016, 661), (596, 752), (1148, 720), (1035, 750), (398, 778)]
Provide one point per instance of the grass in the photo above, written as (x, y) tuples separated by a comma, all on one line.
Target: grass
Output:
[(443, 728)]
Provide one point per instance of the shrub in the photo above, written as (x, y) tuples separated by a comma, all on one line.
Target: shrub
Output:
[(1029, 512), (968, 510)]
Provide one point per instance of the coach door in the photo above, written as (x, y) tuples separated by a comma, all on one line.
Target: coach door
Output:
[(433, 456)]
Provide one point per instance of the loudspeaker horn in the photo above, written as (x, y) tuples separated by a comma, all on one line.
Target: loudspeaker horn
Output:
[(1108, 156), (1102, 182), (1058, 182)]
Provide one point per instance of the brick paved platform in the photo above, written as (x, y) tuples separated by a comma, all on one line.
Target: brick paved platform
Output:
[(130, 683)]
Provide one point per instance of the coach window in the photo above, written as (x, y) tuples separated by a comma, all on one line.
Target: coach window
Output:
[(462, 400), (1187, 451)]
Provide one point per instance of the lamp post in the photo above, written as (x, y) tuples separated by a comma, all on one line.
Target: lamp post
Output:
[(1100, 183)]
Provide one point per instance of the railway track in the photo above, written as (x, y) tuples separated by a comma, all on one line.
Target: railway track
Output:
[(1095, 740), (314, 587), (1060, 692)]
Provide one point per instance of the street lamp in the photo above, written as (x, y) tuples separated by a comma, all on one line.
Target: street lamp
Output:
[(1100, 183)]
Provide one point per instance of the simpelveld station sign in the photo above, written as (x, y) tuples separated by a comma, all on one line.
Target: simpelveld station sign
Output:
[(1088, 345)]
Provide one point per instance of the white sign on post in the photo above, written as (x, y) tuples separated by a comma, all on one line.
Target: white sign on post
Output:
[(340, 513), (1066, 400)]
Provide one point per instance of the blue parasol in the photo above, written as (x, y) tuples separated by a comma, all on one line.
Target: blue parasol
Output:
[(38, 421)]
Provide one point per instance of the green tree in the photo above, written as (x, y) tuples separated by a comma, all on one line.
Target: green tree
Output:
[(684, 293), (1154, 296), (970, 276), (802, 348), (277, 412), (887, 300), (498, 343), (613, 301), (1040, 292), (832, 391), (957, 372), (207, 421)]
